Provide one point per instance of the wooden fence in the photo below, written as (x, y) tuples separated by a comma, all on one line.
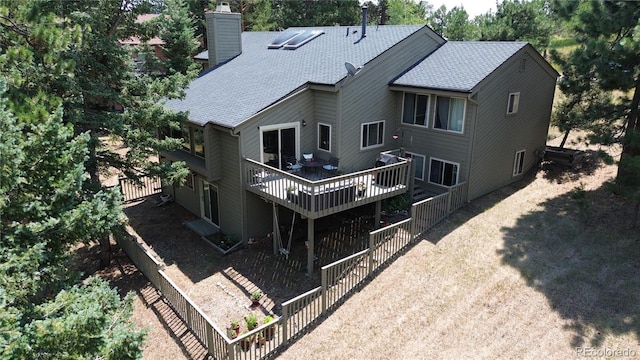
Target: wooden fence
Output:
[(338, 281), (132, 190)]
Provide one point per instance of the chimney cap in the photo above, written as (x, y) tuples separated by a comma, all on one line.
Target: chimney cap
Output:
[(223, 7)]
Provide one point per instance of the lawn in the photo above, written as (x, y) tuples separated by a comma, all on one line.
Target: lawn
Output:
[(546, 268)]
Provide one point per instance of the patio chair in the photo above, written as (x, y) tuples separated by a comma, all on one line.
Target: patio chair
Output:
[(332, 165), (292, 164)]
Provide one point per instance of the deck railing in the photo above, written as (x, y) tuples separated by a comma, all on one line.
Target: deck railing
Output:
[(146, 186), (320, 198), (338, 280)]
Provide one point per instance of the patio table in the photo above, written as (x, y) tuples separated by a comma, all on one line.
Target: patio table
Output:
[(312, 164)]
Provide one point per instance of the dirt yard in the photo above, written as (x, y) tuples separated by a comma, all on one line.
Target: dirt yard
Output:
[(548, 267)]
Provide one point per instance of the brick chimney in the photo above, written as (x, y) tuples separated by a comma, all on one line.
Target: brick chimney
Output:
[(224, 34)]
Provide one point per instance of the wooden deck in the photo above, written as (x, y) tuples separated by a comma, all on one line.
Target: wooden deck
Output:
[(328, 196)]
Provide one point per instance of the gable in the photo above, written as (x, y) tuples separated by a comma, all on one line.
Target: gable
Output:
[(460, 66)]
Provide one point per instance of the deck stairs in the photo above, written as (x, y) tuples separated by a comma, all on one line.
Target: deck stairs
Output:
[(420, 194)]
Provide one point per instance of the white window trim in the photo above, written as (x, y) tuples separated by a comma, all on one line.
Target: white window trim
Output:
[(448, 162), (424, 162), (516, 96), (362, 134), (516, 163), (330, 135), (415, 109), (464, 115), (264, 128)]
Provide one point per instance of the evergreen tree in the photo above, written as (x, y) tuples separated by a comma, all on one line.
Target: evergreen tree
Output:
[(601, 80), (518, 20), (452, 25), (100, 90), (177, 31), (44, 210)]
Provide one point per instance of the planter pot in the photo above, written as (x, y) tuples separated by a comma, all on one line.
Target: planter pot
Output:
[(362, 192), (245, 344), (269, 332)]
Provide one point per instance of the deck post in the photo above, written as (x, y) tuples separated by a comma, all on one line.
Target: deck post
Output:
[(376, 225), (275, 231), (310, 245)]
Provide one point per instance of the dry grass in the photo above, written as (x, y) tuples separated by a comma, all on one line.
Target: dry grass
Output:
[(534, 270)]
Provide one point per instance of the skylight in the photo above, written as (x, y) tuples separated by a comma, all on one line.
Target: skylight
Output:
[(284, 37), (302, 39), (294, 38)]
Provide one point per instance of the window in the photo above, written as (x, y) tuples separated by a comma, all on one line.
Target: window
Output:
[(514, 100), (186, 138), (192, 140), (449, 114), (189, 181), (518, 164), (418, 163), (443, 172), (372, 134), (416, 109), (324, 137), (198, 142)]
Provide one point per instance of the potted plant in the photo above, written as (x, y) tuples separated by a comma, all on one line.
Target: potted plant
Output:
[(251, 320), (269, 331), (261, 339), (291, 192), (362, 188), (245, 342), (255, 298), (234, 328)]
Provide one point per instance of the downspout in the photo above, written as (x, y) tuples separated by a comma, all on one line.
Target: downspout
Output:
[(243, 193)]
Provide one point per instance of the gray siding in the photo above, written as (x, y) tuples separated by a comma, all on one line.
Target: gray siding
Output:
[(223, 37), (293, 109), (230, 187), (189, 198), (499, 136), (325, 111), (213, 153), (436, 143), (366, 97)]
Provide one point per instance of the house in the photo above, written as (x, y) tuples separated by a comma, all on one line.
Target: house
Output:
[(474, 112)]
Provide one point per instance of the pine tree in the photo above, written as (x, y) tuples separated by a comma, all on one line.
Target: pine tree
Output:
[(602, 77), (44, 210)]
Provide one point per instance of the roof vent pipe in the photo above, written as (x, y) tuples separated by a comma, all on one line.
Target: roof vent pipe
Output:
[(364, 20)]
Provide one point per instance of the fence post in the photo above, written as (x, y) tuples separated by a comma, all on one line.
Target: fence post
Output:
[(323, 283), (230, 353), (285, 318), (371, 250), (210, 344), (449, 196)]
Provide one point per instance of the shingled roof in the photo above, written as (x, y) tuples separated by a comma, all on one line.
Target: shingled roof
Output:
[(232, 92), (459, 65)]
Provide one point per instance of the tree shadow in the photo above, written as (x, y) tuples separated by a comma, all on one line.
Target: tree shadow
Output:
[(581, 252), (589, 162)]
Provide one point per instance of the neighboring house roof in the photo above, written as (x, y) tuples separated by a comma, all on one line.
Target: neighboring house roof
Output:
[(232, 92), (134, 40), (202, 56), (459, 65)]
